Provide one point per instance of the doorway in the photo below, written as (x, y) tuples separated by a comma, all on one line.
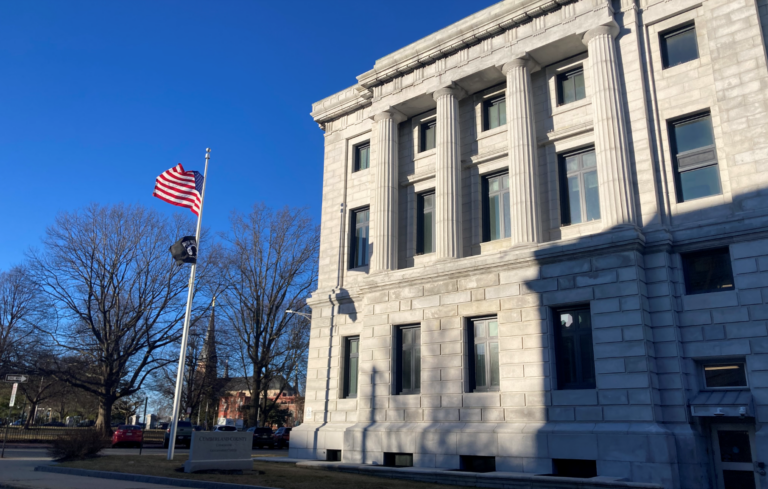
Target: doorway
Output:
[(734, 448)]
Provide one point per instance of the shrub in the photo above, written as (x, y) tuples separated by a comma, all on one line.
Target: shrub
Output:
[(78, 444)]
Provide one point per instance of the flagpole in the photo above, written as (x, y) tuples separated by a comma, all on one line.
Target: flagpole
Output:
[(185, 333)]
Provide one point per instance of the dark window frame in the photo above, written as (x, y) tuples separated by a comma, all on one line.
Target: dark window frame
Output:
[(694, 159), (421, 210), (415, 348), (563, 174), (358, 148), (471, 356), (675, 31), (560, 365), (354, 252), (423, 140), (506, 210), (489, 105), (348, 356), (685, 263), (563, 78), (723, 363)]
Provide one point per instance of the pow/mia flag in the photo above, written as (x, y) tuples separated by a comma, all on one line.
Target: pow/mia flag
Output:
[(185, 250)]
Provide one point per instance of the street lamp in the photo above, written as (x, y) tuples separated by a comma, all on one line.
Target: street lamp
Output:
[(289, 311)]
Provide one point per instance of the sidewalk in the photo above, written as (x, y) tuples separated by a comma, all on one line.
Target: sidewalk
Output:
[(18, 472)]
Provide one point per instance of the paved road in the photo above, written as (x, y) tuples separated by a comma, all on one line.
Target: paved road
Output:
[(17, 470)]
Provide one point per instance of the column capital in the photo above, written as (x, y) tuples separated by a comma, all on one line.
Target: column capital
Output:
[(611, 29), (390, 113), (521, 61), (452, 89)]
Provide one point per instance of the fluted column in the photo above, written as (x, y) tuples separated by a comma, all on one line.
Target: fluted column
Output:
[(617, 198), (385, 203), (448, 172), (521, 137)]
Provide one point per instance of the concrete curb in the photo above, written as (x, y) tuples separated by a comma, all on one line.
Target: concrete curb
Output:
[(149, 479)]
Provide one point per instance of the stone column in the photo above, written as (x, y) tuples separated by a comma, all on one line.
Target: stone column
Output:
[(385, 208), (617, 198), (523, 168), (448, 173)]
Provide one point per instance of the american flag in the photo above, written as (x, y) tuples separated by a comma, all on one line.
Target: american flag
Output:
[(181, 188)]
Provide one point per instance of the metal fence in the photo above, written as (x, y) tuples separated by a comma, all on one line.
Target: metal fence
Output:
[(45, 434)]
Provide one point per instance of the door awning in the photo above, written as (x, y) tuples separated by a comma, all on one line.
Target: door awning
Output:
[(733, 403)]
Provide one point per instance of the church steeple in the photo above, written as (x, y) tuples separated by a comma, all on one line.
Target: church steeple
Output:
[(208, 357)]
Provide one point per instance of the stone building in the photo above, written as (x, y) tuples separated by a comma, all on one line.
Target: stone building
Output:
[(545, 248)]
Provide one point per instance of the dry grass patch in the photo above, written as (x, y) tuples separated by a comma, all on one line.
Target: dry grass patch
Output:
[(277, 475)]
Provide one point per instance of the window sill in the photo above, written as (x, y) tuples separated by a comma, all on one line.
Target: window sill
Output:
[(491, 132), (425, 154), (581, 229), (561, 109), (693, 64), (495, 245)]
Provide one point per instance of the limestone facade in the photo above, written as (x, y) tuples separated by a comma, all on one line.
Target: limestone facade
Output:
[(644, 419)]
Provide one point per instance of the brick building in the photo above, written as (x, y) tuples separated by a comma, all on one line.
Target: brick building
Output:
[(235, 396), (551, 255)]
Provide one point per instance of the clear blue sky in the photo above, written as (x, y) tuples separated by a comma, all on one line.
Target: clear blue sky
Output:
[(98, 97)]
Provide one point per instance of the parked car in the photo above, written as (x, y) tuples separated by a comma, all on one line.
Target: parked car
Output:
[(183, 434), (224, 428), (282, 437), (86, 424), (128, 435), (161, 426), (262, 437), (55, 423), (197, 427)]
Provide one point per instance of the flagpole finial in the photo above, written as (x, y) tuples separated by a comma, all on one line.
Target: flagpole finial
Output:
[(207, 153)]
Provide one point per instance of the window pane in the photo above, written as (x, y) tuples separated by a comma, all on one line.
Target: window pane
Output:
[(479, 330), (494, 217), (571, 163), (417, 367), (569, 90), (681, 47), (493, 328), (507, 211), (503, 112), (480, 365), (493, 116), (567, 360), (493, 184), (494, 354), (725, 375), (407, 336), (592, 195), (428, 238), (363, 156), (505, 181), (353, 377), (429, 201), (735, 446), (353, 345), (574, 199), (694, 134), (587, 359), (588, 160), (578, 81), (428, 136), (708, 271), (699, 183), (407, 362)]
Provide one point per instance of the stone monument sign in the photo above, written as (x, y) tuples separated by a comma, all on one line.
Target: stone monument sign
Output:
[(227, 450)]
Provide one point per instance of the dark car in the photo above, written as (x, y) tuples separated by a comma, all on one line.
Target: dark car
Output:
[(183, 434), (262, 437), (197, 427), (282, 437)]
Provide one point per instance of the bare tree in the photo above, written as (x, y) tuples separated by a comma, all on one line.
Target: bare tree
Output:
[(19, 300), (270, 265), (118, 297)]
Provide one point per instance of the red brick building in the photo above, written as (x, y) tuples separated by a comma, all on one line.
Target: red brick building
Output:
[(235, 396)]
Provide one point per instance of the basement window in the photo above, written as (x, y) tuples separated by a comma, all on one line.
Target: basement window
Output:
[(580, 469), (333, 455), (472, 463), (724, 375), (707, 271), (398, 459)]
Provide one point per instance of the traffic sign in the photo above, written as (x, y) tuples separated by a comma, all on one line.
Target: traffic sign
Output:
[(20, 378), (13, 395)]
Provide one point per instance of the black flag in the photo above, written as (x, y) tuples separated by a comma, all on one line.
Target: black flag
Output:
[(185, 250)]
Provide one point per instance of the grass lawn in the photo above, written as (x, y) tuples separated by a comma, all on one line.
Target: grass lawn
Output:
[(278, 475)]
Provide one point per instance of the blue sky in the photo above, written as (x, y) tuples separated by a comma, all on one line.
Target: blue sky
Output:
[(99, 97)]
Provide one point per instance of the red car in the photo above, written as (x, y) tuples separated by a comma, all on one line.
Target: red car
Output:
[(128, 435)]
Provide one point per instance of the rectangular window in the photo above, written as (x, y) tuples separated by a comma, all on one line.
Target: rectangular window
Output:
[(707, 271), (427, 135), (333, 455), (351, 366), (695, 155), (679, 45), (408, 361), (496, 211), (363, 156), (725, 375), (580, 469), (494, 113), (359, 250), (575, 358), (579, 189), (425, 223), (570, 87), (474, 463), (398, 459), (484, 353)]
